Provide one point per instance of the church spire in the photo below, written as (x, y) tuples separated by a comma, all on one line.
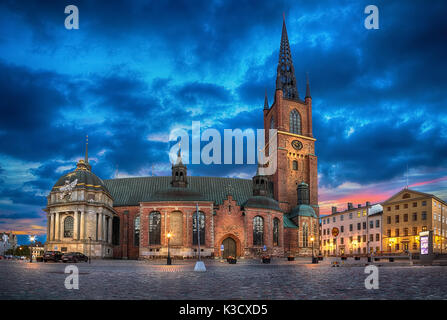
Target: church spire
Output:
[(266, 101), (307, 86), (285, 75)]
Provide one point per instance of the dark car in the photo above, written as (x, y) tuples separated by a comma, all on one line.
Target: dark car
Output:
[(74, 257), (52, 256)]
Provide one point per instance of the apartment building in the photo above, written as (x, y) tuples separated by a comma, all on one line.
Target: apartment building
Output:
[(409, 212), (354, 231)]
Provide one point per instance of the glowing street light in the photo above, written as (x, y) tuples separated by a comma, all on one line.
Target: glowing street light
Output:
[(31, 239)]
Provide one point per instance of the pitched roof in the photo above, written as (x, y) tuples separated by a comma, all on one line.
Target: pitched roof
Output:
[(132, 191), (406, 190)]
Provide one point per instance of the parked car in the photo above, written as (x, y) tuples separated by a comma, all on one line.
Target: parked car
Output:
[(74, 257), (52, 256)]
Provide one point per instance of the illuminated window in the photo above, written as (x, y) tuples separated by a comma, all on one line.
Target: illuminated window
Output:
[(154, 227), (276, 232), (258, 231), (305, 235)]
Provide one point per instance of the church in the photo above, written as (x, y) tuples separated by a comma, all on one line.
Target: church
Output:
[(131, 218)]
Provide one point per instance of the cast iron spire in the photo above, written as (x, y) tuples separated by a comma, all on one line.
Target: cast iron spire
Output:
[(285, 75)]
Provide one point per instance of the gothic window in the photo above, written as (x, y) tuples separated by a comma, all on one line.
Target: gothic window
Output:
[(295, 165), (258, 231), (272, 123), (136, 232), (295, 122), (68, 227), (201, 228), (154, 227), (305, 235), (276, 232)]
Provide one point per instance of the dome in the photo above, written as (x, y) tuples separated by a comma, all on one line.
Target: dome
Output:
[(85, 179), (262, 203), (303, 210), (176, 194)]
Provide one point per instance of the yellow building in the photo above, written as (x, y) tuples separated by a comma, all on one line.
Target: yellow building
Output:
[(409, 212)]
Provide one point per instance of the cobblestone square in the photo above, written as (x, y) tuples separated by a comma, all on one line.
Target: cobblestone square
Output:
[(248, 279)]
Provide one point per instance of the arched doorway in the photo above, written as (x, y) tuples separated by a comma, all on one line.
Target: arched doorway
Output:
[(229, 247)]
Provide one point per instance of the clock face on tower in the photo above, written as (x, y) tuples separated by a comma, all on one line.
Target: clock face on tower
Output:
[(297, 145)]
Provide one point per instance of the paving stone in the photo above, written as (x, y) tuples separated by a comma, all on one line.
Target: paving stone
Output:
[(118, 279)]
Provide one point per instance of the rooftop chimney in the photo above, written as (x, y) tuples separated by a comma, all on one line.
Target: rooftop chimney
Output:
[(368, 203), (334, 209), (359, 205), (350, 205)]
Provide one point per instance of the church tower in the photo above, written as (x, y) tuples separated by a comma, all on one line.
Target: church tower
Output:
[(292, 117)]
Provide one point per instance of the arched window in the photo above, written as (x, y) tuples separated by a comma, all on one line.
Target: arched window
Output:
[(136, 234), (295, 165), (154, 227), (68, 227), (258, 231), (201, 228), (305, 235), (272, 122), (276, 232), (295, 122)]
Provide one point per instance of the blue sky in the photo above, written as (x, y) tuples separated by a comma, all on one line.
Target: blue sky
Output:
[(135, 70)]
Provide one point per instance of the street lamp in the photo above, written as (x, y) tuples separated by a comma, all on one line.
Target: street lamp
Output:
[(169, 235), (31, 239)]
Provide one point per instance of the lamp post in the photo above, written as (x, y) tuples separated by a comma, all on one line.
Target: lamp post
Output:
[(169, 262), (31, 239)]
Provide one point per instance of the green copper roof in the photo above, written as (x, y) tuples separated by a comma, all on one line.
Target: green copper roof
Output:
[(84, 179), (262, 202), (288, 223), (132, 191), (303, 210)]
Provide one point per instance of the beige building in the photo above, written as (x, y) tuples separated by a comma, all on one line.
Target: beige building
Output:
[(80, 214), (409, 212), (354, 231)]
